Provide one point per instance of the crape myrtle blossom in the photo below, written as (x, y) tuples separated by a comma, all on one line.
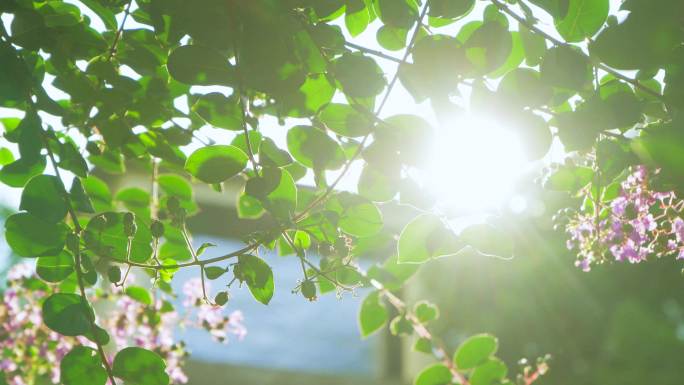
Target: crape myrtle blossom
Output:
[(637, 224), (211, 317), (30, 353)]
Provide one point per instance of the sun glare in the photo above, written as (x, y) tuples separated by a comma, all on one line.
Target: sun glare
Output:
[(474, 164)]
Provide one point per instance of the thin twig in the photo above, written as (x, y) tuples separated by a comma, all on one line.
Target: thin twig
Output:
[(199, 262), (373, 52), (119, 32)]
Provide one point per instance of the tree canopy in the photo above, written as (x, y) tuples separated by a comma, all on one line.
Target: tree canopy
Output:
[(100, 97)]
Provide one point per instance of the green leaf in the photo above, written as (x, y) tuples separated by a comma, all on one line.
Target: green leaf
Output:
[(219, 111), (450, 9), (17, 173), (373, 314), (30, 236), (82, 365), (258, 275), (254, 141), (653, 32), (523, 86), (55, 268), (424, 238), (489, 373), (276, 191), (426, 311), (397, 13), (390, 38), (271, 155), (358, 216), (534, 45), (99, 193), (249, 207), (79, 198), (569, 179), (488, 240), (221, 298), (103, 12), (71, 159), (139, 294), (359, 75), (6, 156), (436, 374), (423, 345), (489, 46), (135, 199), (138, 366), (213, 272), (214, 164), (43, 197), (475, 351), (377, 184), (314, 149), (566, 67), (344, 120), (67, 314), (583, 19), (356, 17), (195, 64), (105, 236)]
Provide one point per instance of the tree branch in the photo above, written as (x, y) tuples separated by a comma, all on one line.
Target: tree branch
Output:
[(376, 115), (77, 257)]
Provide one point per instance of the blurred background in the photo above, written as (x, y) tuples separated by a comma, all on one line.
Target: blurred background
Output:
[(618, 324)]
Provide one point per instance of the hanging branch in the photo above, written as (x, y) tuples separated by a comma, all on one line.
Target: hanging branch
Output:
[(77, 257), (239, 92)]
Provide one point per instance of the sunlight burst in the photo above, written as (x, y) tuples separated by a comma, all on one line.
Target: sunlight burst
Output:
[(474, 164)]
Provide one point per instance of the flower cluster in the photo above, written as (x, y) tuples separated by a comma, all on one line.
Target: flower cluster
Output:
[(637, 224), (210, 317), (30, 352)]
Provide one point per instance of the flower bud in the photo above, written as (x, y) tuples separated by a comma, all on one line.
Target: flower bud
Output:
[(157, 228)]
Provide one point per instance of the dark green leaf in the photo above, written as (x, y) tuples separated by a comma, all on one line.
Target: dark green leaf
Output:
[(213, 272), (359, 75), (55, 268), (566, 67), (258, 275), (30, 236), (43, 197), (82, 365), (67, 314), (194, 64), (138, 366)]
